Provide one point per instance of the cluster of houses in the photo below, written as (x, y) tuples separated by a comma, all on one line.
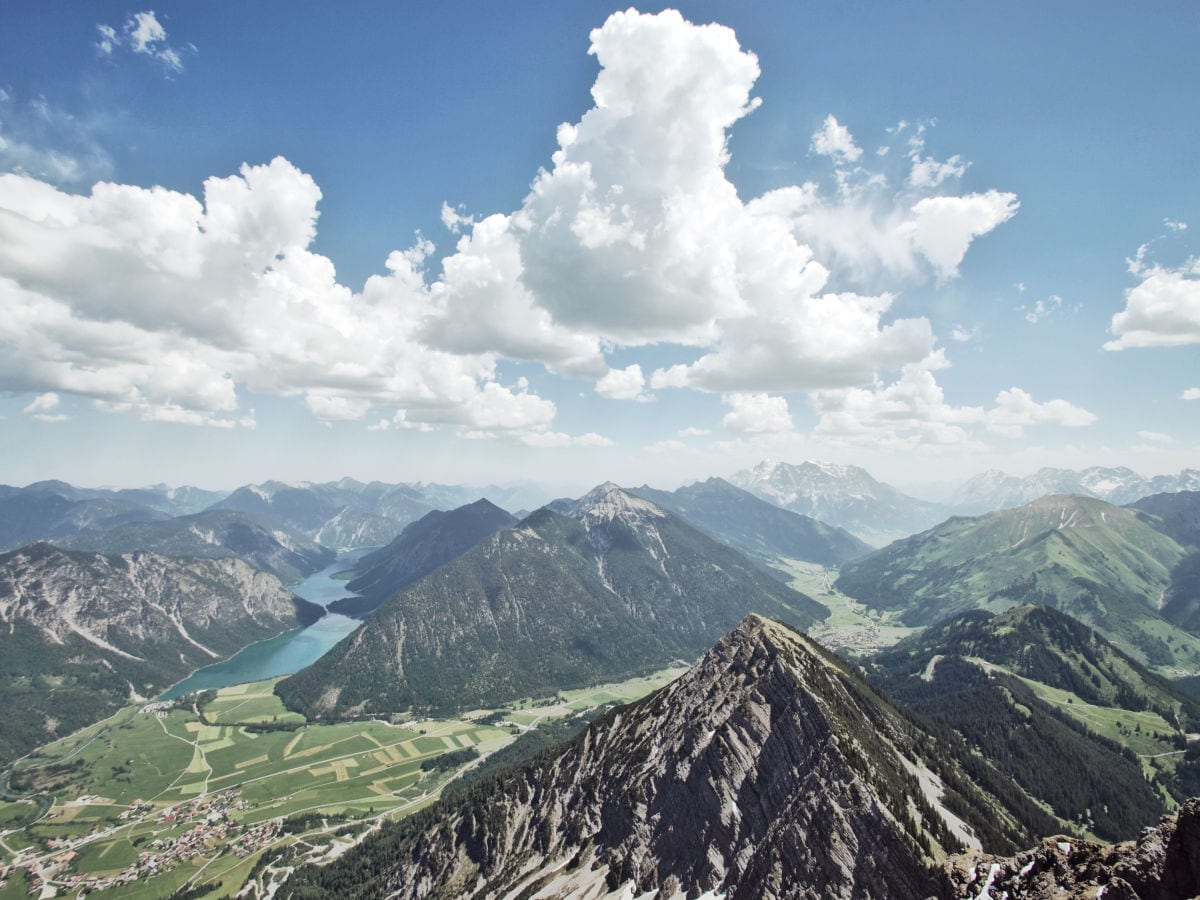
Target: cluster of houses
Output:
[(212, 825)]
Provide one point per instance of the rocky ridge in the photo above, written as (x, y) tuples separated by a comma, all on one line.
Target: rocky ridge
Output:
[(768, 770), (1162, 864)]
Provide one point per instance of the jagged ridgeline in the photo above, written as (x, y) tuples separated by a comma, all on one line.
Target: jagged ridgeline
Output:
[(607, 588), (770, 769), (1099, 563), (1162, 864), (754, 526), (1023, 698), (289, 556), (83, 633)]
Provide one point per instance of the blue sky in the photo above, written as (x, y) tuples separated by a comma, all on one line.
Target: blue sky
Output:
[(897, 235)]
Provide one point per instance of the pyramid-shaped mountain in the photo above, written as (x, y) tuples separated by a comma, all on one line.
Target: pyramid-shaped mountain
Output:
[(609, 587), (431, 541), (770, 769)]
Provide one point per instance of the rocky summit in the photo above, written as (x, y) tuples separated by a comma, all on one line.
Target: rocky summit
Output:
[(769, 770)]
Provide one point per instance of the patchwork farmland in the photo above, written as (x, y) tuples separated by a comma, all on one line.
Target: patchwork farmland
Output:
[(176, 794)]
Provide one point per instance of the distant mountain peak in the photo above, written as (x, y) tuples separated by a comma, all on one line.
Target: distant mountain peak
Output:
[(1118, 485), (840, 494), (610, 501)]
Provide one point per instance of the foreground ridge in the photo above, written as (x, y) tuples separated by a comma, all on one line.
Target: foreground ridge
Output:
[(770, 769), (1163, 864)]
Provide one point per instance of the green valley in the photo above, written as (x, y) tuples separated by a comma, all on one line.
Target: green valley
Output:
[(172, 794)]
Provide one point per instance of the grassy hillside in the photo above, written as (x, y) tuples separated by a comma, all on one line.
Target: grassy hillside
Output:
[(1047, 700), (1100, 563)]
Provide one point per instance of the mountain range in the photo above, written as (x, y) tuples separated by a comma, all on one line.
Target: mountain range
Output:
[(757, 528), (578, 592), (1119, 485), (348, 514), (83, 633), (213, 534), (841, 495), (772, 768)]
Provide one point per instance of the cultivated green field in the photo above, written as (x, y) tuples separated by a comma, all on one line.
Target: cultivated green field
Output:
[(851, 625), (218, 781)]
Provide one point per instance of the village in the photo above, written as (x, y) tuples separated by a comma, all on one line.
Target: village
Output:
[(213, 831)]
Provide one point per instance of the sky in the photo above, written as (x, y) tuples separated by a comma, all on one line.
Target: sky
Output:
[(570, 242)]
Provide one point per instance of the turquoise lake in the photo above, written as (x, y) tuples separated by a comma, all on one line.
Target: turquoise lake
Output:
[(288, 652)]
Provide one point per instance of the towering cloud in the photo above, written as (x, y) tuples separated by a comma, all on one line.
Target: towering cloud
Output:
[(171, 306)]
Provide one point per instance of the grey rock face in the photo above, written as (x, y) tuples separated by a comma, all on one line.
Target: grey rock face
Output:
[(763, 772), (1162, 864), (82, 634)]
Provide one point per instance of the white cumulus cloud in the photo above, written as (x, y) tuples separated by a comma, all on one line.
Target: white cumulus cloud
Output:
[(944, 227), (43, 408), (1190, 394), (913, 411), (834, 139), (622, 384), (635, 236), (164, 305), (1162, 309), (171, 306), (1015, 410), (756, 414)]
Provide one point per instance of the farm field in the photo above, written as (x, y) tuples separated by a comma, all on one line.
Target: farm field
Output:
[(166, 795), (851, 625)]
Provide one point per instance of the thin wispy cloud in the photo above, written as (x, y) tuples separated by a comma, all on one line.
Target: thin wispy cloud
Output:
[(144, 35), (1041, 309), (48, 143)]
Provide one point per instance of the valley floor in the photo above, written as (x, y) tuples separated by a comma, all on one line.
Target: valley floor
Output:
[(851, 626), (168, 795)]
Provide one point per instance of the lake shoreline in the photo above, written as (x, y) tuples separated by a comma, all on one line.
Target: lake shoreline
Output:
[(289, 651)]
